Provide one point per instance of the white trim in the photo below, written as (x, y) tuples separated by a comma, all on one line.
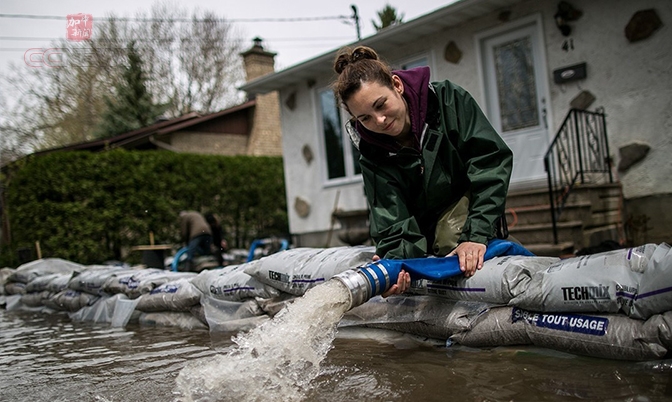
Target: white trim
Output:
[(428, 54), (350, 176), (532, 19)]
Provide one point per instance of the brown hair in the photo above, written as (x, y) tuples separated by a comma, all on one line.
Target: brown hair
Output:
[(358, 65)]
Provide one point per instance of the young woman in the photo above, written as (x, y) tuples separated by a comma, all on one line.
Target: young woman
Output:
[(436, 173)]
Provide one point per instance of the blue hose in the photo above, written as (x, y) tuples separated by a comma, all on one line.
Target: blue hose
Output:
[(376, 277), (176, 259)]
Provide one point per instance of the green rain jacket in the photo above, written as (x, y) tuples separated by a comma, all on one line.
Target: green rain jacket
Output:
[(407, 191)]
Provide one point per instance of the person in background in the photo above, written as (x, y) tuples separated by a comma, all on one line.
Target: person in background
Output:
[(196, 234), (218, 243), (436, 173)]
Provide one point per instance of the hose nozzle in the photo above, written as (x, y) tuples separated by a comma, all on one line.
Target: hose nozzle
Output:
[(365, 282)]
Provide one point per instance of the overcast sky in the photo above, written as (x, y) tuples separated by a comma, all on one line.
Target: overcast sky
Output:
[(294, 42)]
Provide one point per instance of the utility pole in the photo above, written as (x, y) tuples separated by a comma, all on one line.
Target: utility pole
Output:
[(355, 16)]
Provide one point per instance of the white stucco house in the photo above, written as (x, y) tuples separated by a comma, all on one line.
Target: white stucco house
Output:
[(590, 53)]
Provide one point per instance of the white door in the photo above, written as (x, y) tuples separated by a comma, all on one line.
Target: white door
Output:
[(515, 93)]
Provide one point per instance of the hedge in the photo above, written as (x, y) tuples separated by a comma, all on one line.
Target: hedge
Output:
[(90, 207)]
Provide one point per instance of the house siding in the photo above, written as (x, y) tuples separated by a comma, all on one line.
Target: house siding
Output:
[(632, 82)]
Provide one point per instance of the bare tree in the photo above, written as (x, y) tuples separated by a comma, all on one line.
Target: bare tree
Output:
[(192, 64)]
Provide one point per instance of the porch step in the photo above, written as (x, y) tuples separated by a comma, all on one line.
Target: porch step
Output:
[(562, 250), (542, 233), (591, 215)]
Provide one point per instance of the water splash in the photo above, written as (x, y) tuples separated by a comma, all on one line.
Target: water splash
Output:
[(275, 361)]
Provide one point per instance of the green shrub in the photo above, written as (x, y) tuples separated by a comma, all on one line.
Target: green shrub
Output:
[(91, 207)]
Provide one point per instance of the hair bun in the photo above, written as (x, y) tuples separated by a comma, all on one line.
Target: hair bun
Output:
[(348, 56), (363, 53)]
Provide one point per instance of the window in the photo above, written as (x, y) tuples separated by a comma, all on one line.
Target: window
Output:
[(342, 158), (419, 62)]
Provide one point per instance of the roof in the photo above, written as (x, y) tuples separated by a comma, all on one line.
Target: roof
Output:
[(384, 41), (146, 135)]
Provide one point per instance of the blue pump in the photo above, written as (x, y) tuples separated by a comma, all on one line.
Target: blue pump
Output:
[(374, 278)]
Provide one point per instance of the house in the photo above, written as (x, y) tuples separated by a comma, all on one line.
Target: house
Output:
[(250, 128), (603, 58)]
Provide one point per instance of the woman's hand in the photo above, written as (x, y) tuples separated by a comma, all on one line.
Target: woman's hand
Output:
[(402, 285), (470, 256)]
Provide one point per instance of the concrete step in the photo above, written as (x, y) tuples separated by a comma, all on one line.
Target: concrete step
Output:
[(561, 250), (542, 233), (535, 214)]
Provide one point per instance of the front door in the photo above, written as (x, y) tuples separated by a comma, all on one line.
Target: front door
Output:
[(516, 97)]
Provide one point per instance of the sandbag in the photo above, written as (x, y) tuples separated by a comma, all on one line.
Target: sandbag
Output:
[(70, 300), (599, 283), (179, 295), (610, 336), (102, 310), (171, 319), (219, 312), (35, 299), (93, 278), (654, 295), (51, 282), (5, 273), (31, 270), (426, 316), (296, 270), (232, 283), (141, 281), (15, 288), (491, 328), (500, 280)]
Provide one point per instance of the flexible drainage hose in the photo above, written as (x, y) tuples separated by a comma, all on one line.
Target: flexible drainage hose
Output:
[(376, 277)]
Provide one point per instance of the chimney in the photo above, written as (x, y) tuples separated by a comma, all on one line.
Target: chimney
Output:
[(258, 62), (265, 134)]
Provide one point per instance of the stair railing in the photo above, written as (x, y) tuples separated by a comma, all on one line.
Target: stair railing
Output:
[(579, 153)]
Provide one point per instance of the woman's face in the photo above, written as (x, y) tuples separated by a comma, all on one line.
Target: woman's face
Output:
[(381, 109)]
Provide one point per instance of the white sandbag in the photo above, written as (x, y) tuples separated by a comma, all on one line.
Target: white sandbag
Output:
[(93, 278), (70, 300), (654, 295), (102, 311), (5, 273), (52, 282), (218, 312), (35, 299), (274, 305), (233, 284), (29, 271), (661, 324), (141, 281), (171, 319), (426, 316), (179, 295), (297, 270), (598, 283), (15, 288), (610, 336), (492, 328), (500, 280)]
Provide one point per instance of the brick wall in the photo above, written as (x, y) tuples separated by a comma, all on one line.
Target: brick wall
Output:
[(266, 133)]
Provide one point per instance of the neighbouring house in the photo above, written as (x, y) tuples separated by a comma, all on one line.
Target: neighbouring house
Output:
[(250, 128), (545, 72)]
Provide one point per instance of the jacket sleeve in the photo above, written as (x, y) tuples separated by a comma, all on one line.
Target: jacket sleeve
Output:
[(396, 233), (488, 161)]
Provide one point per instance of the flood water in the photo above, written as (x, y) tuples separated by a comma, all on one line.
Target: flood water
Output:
[(46, 357)]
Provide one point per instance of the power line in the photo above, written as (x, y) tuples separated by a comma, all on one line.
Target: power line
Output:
[(290, 19)]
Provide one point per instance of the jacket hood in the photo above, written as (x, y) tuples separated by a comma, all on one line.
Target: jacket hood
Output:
[(416, 89)]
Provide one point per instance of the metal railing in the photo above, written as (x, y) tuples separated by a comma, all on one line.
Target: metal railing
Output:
[(578, 154)]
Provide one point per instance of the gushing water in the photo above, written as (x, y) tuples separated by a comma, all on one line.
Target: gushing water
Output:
[(275, 361)]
